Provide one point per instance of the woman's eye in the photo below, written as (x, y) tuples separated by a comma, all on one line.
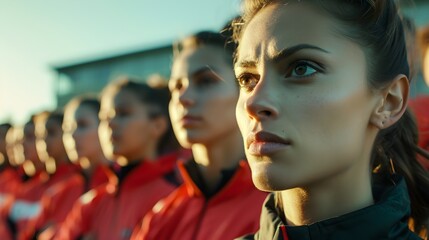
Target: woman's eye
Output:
[(205, 81), (82, 124), (302, 69), (247, 81), (121, 113)]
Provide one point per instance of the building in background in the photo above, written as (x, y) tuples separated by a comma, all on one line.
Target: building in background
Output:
[(92, 76)]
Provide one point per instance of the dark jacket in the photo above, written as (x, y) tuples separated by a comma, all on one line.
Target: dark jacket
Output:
[(386, 219)]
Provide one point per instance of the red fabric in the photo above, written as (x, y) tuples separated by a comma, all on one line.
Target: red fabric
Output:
[(32, 192), (37, 185), (4, 230), (33, 189), (78, 220), (58, 200), (102, 174), (420, 107), (63, 172), (187, 214), (114, 210), (10, 181)]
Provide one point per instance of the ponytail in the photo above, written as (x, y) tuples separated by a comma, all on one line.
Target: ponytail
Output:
[(396, 151)]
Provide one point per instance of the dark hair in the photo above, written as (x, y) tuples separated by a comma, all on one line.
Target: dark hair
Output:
[(222, 39), (6, 125), (92, 102), (56, 116), (377, 27), (86, 99), (412, 45), (156, 96)]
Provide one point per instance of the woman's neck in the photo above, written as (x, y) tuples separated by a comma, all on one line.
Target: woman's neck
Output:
[(213, 158), (343, 193), (148, 155)]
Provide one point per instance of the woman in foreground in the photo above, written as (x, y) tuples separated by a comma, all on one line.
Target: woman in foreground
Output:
[(322, 111)]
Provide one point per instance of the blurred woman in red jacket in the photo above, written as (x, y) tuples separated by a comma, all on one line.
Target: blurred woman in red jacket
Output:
[(135, 132), (217, 199), (83, 147)]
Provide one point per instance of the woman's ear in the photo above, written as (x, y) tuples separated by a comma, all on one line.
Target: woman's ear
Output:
[(392, 104)]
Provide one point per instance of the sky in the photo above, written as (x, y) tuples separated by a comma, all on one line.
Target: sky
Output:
[(37, 35)]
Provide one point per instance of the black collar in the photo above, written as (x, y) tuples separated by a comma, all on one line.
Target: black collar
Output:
[(195, 173), (386, 219)]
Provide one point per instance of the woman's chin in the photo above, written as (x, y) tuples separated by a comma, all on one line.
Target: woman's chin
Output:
[(267, 177)]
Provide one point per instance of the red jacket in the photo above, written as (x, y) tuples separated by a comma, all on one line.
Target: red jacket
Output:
[(187, 214), (10, 183), (33, 189), (10, 180), (59, 199), (112, 211), (27, 206), (420, 107), (5, 233)]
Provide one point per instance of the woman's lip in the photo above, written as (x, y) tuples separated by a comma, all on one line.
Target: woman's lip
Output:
[(265, 148), (265, 143), (189, 120), (115, 138)]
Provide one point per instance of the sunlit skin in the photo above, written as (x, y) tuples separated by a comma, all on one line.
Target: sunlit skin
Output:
[(126, 129), (306, 112), (81, 129), (12, 143), (202, 109), (426, 64)]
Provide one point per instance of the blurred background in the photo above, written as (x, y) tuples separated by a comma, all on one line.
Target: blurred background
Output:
[(52, 50)]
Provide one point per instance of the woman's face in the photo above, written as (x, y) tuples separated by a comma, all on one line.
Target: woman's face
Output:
[(29, 143), (305, 105), (203, 96), (126, 125), (82, 131), (54, 139)]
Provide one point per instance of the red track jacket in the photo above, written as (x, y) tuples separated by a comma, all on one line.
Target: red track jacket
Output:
[(113, 210), (59, 199), (420, 107), (187, 214)]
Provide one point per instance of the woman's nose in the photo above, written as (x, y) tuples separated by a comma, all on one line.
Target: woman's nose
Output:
[(187, 96), (261, 103)]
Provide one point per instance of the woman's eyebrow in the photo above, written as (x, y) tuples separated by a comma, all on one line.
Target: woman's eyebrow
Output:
[(246, 64), (291, 50), (280, 55), (202, 70)]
